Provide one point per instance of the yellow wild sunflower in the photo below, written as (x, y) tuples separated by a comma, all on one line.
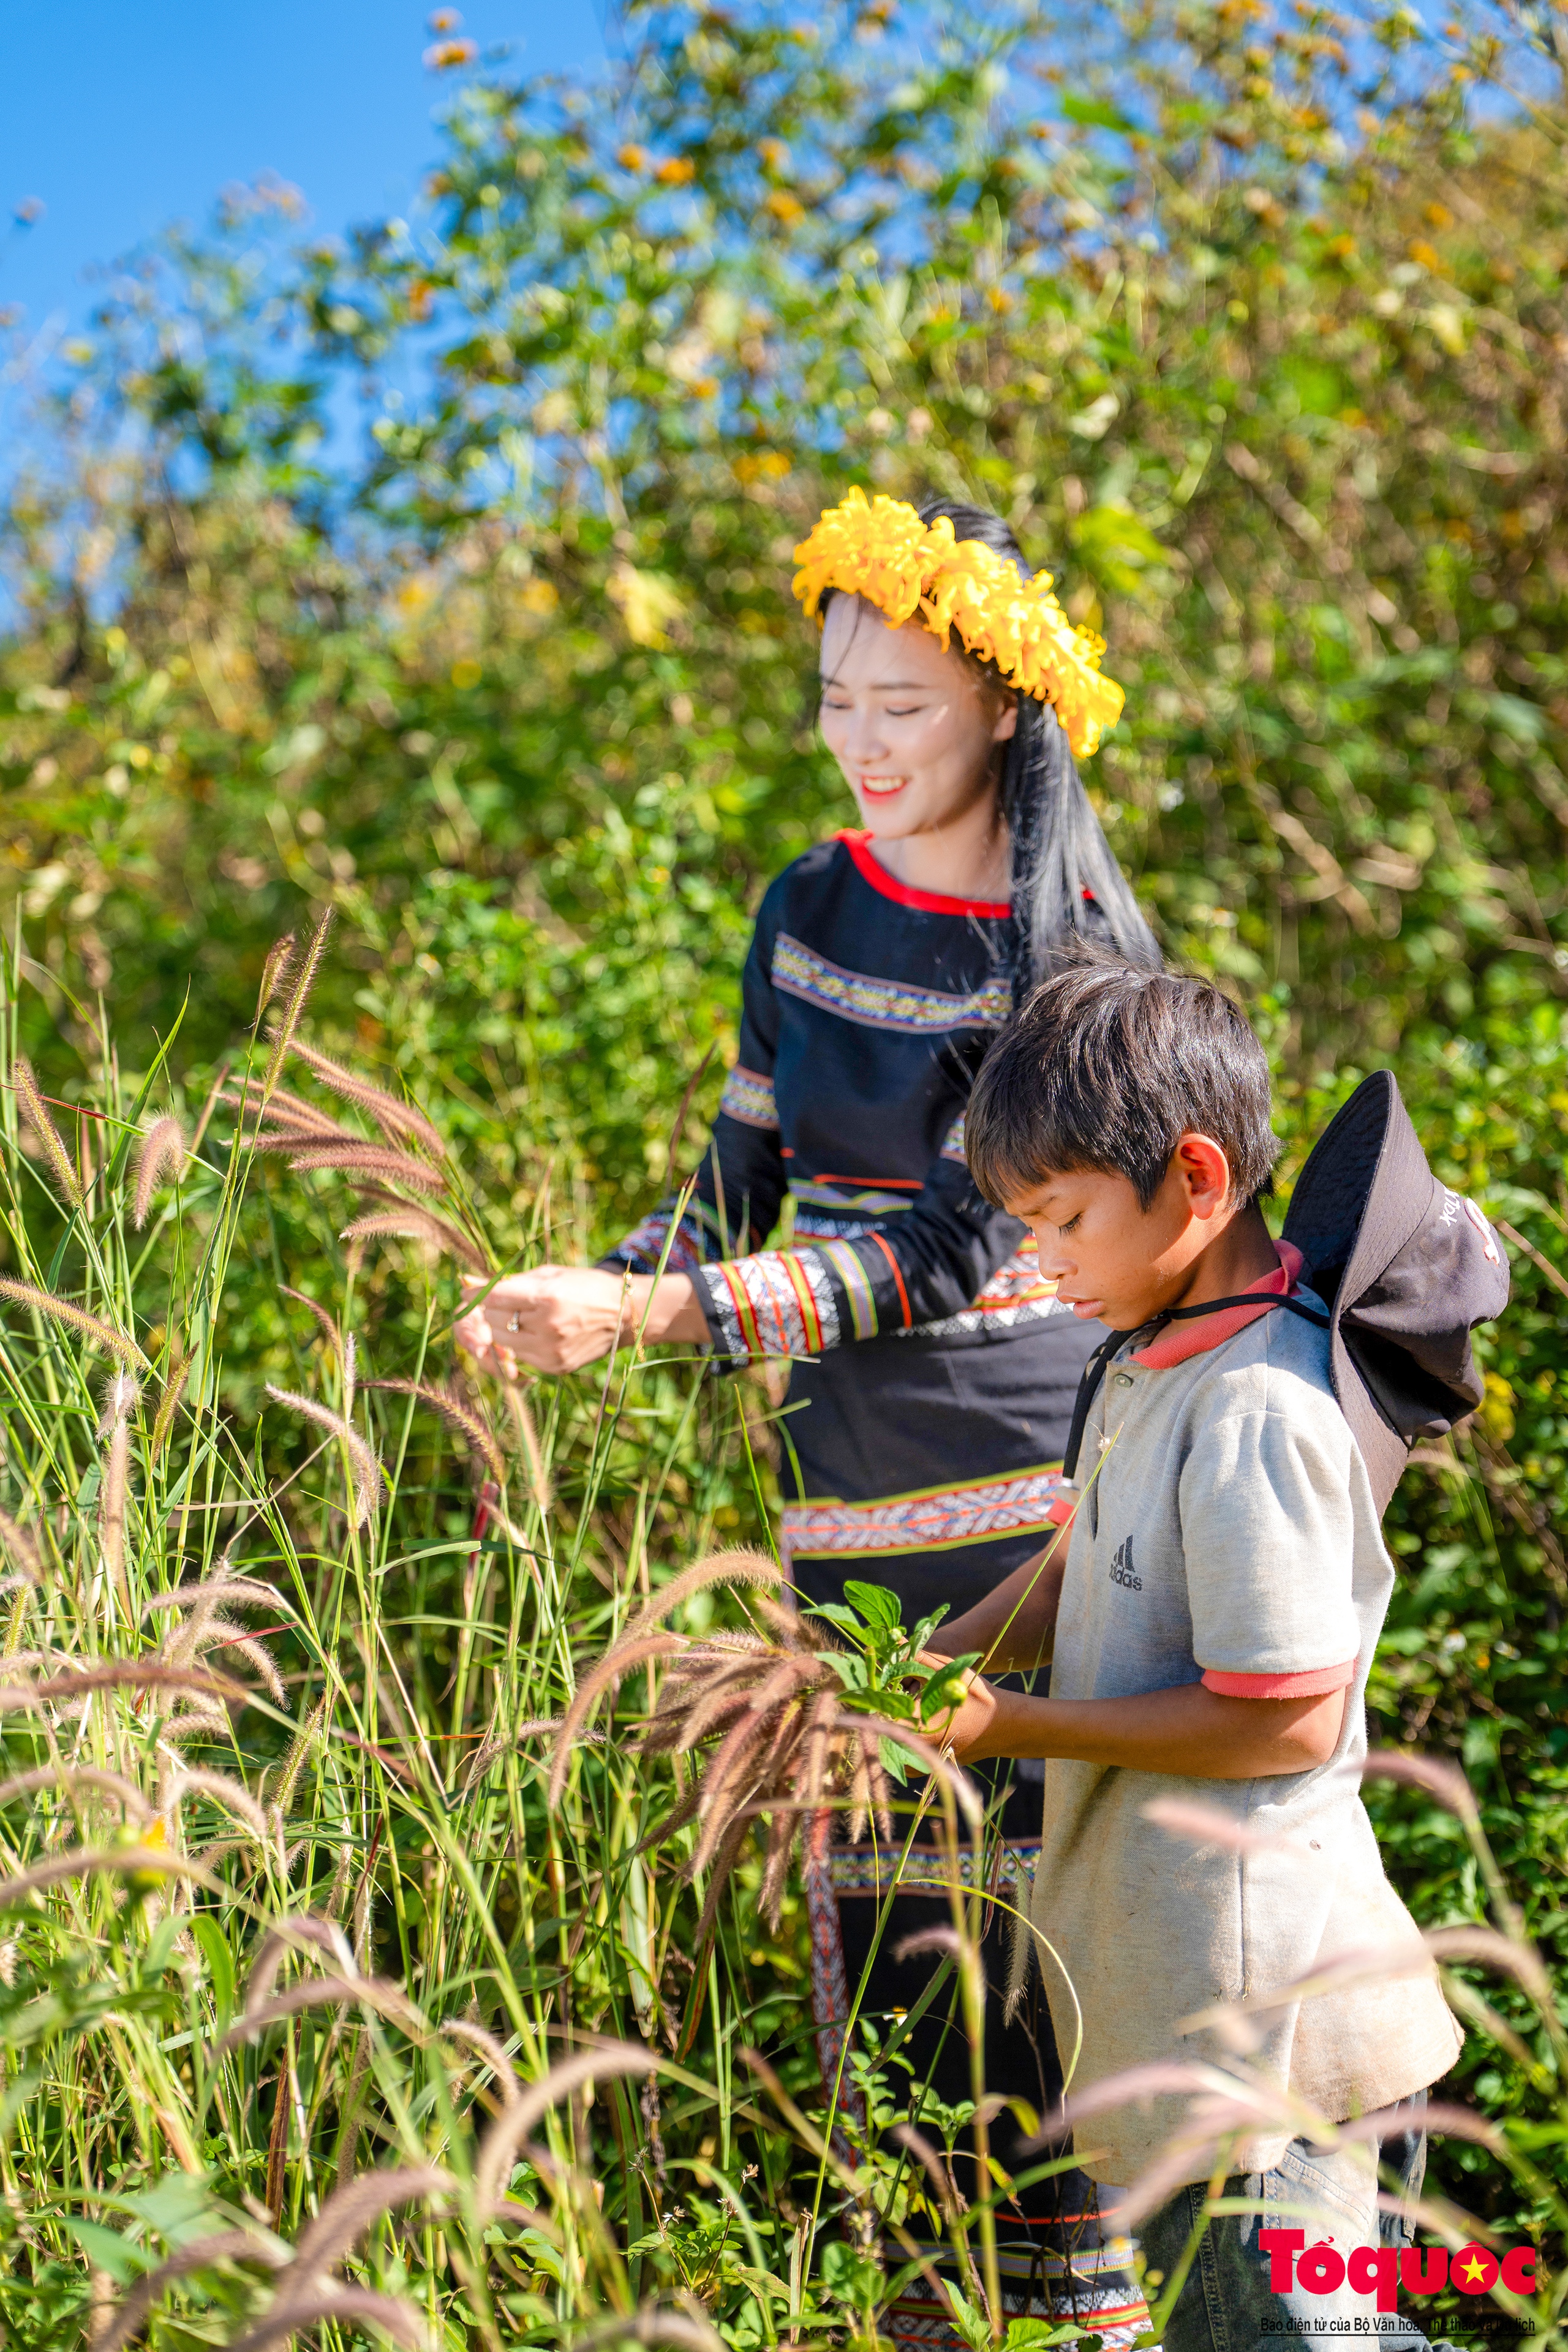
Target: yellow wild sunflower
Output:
[(880, 548)]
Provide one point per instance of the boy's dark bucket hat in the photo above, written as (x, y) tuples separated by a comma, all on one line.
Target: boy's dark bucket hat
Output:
[(1406, 1269)]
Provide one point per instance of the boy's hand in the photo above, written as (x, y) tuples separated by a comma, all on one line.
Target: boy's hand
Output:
[(963, 1730), (1187, 1729)]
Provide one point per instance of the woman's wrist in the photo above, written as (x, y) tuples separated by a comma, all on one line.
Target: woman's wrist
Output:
[(663, 1307)]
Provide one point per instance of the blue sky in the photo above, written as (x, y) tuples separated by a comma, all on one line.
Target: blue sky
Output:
[(121, 115)]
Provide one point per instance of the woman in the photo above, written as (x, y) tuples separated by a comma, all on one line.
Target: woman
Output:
[(932, 1373)]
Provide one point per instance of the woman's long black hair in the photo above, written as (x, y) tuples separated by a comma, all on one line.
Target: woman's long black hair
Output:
[(1067, 885)]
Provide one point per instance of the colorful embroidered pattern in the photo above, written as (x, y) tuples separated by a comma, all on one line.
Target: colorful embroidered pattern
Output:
[(643, 1248), (866, 1201), (991, 1319), (857, 1286), (799, 970), (777, 1303), (942, 1518), (810, 1224), (1094, 2284), (873, 1870), (1015, 1294), (749, 1098), (953, 1143)]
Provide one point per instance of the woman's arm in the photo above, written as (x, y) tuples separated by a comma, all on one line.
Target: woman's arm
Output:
[(912, 1271), (559, 1318)]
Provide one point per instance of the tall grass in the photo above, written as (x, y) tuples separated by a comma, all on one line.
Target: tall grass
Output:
[(321, 2014), (316, 2013)]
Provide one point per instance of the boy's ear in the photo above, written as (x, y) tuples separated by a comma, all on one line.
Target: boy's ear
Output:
[(1205, 1174)]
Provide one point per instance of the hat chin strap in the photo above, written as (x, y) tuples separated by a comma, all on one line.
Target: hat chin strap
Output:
[(1094, 1370)]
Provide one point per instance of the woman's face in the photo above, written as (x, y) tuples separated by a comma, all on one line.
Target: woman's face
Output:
[(913, 728)]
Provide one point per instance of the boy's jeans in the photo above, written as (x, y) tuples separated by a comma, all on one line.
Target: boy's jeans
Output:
[(1227, 2304)]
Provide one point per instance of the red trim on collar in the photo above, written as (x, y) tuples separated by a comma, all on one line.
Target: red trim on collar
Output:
[(1179, 1341), (930, 902)]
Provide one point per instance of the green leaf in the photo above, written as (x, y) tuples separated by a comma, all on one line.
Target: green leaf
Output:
[(943, 1687), (160, 1949), (897, 1706), (875, 1603), (219, 1958), (1096, 113), (969, 2323), (835, 1614), (106, 2250), (175, 2206), (921, 1635), (847, 2276), (1117, 531), (1526, 722)]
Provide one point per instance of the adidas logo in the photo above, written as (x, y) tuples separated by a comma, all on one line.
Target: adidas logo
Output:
[(1122, 1570)]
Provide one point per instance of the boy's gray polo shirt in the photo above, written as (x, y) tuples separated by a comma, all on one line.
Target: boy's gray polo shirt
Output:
[(1231, 1536)]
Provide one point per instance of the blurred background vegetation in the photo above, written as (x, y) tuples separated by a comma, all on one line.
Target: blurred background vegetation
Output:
[(442, 576)]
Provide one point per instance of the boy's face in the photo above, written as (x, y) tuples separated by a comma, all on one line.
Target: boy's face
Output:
[(1109, 1257)]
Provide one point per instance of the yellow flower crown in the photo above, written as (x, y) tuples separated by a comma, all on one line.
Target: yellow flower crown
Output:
[(881, 550)]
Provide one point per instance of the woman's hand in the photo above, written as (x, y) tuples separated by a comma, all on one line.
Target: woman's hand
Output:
[(561, 1317)]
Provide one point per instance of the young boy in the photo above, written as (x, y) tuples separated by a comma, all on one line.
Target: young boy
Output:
[(1209, 1628)]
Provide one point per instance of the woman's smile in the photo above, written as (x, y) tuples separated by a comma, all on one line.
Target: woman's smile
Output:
[(920, 737)]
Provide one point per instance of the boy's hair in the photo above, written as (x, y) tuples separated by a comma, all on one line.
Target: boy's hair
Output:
[(1103, 1067)]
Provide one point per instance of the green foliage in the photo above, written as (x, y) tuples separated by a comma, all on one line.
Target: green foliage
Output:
[(1276, 400), (881, 1667)]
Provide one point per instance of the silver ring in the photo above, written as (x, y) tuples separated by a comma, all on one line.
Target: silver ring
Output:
[(514, 1325)]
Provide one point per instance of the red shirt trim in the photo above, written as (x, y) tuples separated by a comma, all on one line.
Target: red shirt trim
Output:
[(1314, 1684), (899, 1279), (1179, 1341), (930, 902), (875, 1183)]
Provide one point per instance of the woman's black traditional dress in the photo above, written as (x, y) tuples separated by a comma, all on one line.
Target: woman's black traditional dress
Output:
[(931, 1383)]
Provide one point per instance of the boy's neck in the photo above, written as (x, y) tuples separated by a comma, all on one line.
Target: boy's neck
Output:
[(1241, 1254)]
